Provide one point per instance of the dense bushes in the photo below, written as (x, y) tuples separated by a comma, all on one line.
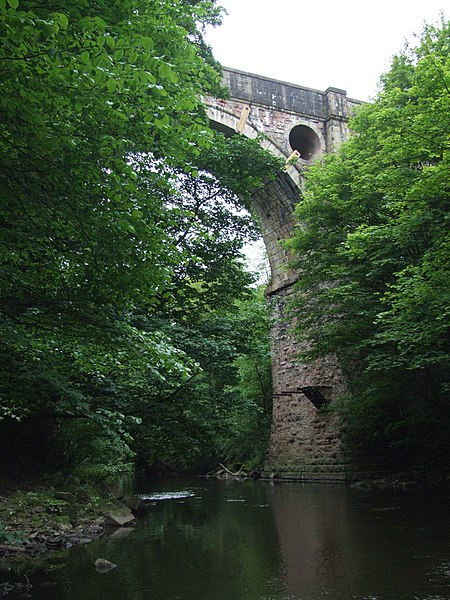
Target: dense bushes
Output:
[(373, 249)]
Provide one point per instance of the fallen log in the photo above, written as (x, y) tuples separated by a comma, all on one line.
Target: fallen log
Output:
[(222, 472), (238, 474)]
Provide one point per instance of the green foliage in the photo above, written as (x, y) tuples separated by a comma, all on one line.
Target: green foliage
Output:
[(11, 537), (373, 249), (89, 452), (92, 98), (250, 417), (112, 228), (222, 412), (208, 222)]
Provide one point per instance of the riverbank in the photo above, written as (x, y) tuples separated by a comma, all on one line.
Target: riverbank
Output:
[(38, 518)]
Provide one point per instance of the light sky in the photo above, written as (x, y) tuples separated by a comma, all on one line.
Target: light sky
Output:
[(346, 44)]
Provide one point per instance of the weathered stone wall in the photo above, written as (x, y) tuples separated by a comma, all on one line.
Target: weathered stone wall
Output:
[(274, 206), (276, 107), (306, 442)]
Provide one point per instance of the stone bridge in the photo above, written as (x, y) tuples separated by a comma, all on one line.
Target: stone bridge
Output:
[(300, 124)]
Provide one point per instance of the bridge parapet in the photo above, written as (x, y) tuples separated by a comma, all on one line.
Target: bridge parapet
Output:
[(276, 107)]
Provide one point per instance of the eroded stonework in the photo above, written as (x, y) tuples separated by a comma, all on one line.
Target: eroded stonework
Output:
[(306, 442)]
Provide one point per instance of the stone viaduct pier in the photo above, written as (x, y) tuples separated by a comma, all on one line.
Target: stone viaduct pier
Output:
[(301, 124)]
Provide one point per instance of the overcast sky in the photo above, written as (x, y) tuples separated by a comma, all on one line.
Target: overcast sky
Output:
[(320, 43)]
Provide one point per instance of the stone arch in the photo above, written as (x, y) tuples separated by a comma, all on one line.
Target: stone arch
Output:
[(273, 205), (226, 121)]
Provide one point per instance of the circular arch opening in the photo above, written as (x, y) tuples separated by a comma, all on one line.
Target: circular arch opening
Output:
[(306, 141)]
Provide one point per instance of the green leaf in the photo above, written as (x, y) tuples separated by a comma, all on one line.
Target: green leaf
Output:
[(118, 54), (101, 24), (147, 43), (62, 19), (86, 24), (110, 42), (100, 76), (165, 71)]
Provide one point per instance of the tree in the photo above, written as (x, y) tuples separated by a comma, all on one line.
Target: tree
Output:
[(208, 221), (373, 248), (223, 411), (84, 90), (101, 119), (250, 417), (90, 96)]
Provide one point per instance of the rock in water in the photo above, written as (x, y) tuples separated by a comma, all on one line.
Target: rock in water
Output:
[(103, 565), (121, 532), (120, 517), (135, 504)]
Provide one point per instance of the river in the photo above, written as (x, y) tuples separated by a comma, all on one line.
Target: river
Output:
[(257, 540)]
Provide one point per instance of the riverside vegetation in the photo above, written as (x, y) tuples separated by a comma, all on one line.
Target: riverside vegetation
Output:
[(129, 327), (373, 250)]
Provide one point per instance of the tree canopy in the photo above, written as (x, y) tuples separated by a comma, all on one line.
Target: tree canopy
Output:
[(112, 230), (372, 246)]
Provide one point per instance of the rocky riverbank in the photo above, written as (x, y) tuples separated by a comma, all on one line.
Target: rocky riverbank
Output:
[(38, 519)]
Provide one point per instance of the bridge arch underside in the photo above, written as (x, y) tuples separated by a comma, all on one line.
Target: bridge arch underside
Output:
[(305, 441), (273, 205)]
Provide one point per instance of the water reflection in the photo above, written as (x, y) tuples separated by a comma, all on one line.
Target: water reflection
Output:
[(209, 540), (343, 543)]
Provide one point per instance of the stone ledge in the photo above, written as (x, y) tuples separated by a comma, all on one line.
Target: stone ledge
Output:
[(309, 477)]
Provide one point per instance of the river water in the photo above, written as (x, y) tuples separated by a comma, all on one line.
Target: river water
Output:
[(218, 540)]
